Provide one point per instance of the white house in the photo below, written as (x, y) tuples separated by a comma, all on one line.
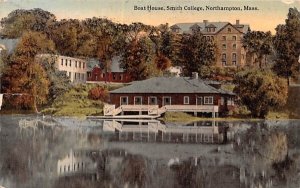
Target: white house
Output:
[(75, 68)]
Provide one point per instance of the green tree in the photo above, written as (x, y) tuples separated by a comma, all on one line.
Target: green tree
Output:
[(161, 60), (3, 61), (19, 21), (197, 54), (260, 91), (287, 46), (109, 39), (136, 57), (258, 45), (170, 44), (65, 34), (138, 51), (59, 81), (25, 76)]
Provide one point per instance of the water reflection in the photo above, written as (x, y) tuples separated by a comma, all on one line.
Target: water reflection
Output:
[(156, 131), (82, 153)]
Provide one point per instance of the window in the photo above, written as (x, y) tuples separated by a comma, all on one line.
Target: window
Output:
[(230, 101), (223, 37), (66, 62), (120, 77), (70, 63), (124, 100), (186, 100), (208, 100), (82, 76), (62, 62), (166, 100), (83, 66), (224, 46), (199, 101), (79, 64), (224, 59), (229, 30), (234, 63), (89, 74), (76, 64), (152, 101), (234, 57), (138, 100), (233, 37), (234, 46), (69, 74), (103, 75), (114, 76)]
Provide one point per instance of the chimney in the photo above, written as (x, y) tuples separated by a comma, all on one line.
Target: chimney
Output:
[(205, 22), (195, 75), (237, 22)]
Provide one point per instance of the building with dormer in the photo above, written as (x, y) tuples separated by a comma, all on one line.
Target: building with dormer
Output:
[(228, 38)]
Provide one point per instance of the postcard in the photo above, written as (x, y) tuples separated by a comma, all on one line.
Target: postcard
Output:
[(149, 93)]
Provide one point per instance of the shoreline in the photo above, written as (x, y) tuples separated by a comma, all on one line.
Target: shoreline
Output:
[(173, 120)]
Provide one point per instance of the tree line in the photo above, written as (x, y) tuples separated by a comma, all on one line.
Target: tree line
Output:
[(145, 51)]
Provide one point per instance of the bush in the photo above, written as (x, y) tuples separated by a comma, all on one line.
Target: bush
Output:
[(98, 93), (260, 91)]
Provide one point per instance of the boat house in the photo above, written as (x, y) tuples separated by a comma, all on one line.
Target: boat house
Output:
[(158, 95)]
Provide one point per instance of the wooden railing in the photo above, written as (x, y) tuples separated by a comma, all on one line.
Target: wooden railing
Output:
[(198, 108), (110, 110)]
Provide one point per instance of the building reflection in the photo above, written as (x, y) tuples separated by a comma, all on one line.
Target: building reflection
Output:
[(155, 131), (111, 167), (76, 161)]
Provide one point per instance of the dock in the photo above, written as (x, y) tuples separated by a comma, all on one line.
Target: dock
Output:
[(125, 117)]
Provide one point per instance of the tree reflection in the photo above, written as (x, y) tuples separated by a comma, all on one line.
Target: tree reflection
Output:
[(187, 175), (267, 153), (134, 170)]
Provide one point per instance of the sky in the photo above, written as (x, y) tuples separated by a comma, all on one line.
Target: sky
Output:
[(270, 13)]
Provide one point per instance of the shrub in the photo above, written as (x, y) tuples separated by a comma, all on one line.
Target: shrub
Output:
[(260, 91), (98, 93)]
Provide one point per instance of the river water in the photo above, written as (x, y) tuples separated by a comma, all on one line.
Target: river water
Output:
[(46, 152)]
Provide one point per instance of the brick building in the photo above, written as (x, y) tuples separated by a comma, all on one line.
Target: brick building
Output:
[(114, 73), (227, 36)]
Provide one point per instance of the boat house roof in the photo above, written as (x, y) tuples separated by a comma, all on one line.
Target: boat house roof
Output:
[(171, 85)]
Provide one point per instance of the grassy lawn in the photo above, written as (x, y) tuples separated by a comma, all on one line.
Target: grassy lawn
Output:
[(75, 102), (278, 115)]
